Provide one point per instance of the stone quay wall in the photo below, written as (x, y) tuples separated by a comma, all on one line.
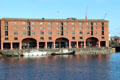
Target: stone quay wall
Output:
[(81, 51)]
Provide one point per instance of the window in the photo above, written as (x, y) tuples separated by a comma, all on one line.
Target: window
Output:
[(49, 32), (6, 38), (49, 27), (15, 22), (41, 23), (57, 33), (81, 37), (65, 23), (73, 38), (95, 32), (24, 33), (73, 32), (24, 28), (28, 23), (95, 23), (102, 28), (15, 28), (41, 32), (95, 27), (102, 32), (87, 27), (57, 23), (24, 22), (6, 28), (6, 23), (15, 33), (61, 28), (33, 23), (80, 23), (33, 33), (15, 38), (33, 27), (65, 27), (50, 38), (41, 27), (6, 33), (57, 28), (73, 28), (102, 37), (81, 32), (49, 23), (91, 28), (66, 33), (91, 32), (102, 23), (80, 27), (73, 23), (87, 23), (42, 38), (88, 32)]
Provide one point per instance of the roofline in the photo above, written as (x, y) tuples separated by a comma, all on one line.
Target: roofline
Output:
[(45, 19)]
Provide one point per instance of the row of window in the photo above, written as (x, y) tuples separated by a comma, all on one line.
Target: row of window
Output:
[(57, 23), (6, 28), (15, 38), (49, 38), (16, 33)]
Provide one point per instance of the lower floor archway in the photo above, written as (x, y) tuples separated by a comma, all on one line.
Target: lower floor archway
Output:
[(92, 42), (61, 43), (29, 43)]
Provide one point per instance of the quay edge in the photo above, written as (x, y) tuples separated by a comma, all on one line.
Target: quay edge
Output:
[(91, 51)]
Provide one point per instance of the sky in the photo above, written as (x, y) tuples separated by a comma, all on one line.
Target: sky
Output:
[(97, 9)]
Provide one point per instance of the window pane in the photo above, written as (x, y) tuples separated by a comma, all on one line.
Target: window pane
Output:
[(41, 23), (49, 27), (15, 33), (24, 33), (41, 27)]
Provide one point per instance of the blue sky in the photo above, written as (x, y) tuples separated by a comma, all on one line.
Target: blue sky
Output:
[(64, 9)]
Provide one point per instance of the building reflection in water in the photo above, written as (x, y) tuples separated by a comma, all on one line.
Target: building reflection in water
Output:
[(70, 57), (85, 58), (54, 58), (47, 59), (99, 58)]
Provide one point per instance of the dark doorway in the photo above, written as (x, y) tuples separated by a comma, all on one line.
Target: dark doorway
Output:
[(49, 45), (41, 44), (15, 45), (6, 45), (92, 42), (102, 43), (61, 43), (80, 44), (29, 43), (73, 44)]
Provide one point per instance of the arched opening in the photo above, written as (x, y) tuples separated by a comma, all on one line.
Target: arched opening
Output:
[(61, 43), (92, 42), (29, 43)]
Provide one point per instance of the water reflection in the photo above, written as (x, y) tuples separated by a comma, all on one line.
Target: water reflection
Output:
[(78, 67)]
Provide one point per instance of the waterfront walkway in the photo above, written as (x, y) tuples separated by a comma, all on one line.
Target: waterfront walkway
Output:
[(49, 51)]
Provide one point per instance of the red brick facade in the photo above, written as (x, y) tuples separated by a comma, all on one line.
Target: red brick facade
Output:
[(53, 33)]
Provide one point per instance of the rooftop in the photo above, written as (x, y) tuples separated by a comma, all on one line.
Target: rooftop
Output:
[(45, 19)]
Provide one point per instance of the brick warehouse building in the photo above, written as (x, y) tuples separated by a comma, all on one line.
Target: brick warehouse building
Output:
[(18, 33)]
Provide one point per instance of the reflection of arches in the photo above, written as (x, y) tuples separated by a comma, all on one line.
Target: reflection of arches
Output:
[(92, 42), (29, 43), (62, 43)]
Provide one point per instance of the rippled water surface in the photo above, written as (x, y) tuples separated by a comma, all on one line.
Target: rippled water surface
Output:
[(79, 67)]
